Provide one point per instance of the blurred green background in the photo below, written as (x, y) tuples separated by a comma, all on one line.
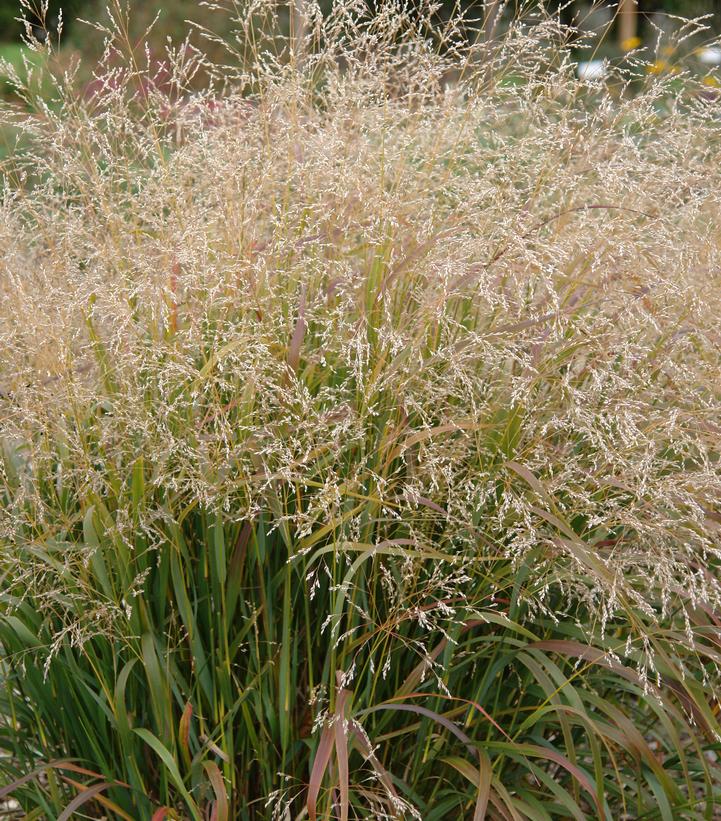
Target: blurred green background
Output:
[(173, 13), (647, 18)]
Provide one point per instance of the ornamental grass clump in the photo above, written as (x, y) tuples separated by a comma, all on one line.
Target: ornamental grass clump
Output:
[(360, 431)]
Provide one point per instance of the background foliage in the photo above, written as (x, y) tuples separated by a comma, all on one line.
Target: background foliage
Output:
[(174, 12)]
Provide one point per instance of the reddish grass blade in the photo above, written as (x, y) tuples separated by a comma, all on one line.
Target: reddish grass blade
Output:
[(173, 301), (336, 731), (480, 778), (529, 477), (469, 702), (320, 764), (53, 765), (10, 788), (536, 751), (574, 649), (106, 802), (485, 772), (221, 811), (341, 751), (184, 732), (424, 711), (87, 795)]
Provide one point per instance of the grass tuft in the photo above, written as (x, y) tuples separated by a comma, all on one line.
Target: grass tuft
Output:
[(359, 426)]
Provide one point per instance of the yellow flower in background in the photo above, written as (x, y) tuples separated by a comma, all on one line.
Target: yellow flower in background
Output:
[(660, 66), (630, 43), (668, 51), (711, 81)]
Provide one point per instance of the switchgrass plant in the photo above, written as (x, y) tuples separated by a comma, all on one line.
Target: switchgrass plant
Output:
[(360, 432)]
